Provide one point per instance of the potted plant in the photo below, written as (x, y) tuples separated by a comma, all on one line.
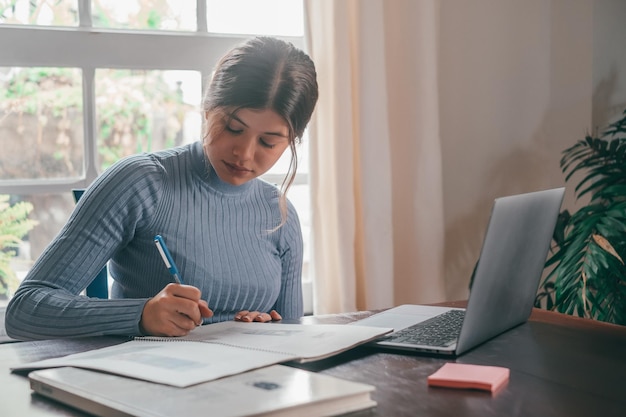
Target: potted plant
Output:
[(14, 225), (588, 275)]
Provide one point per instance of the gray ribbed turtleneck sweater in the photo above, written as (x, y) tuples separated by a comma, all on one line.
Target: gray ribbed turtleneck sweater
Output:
[(219, 236)]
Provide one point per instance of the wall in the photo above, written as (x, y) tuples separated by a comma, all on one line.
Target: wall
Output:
[(609, 60), (519, 82)]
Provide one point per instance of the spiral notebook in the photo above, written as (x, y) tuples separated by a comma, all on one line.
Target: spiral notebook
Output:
[(216, 350)]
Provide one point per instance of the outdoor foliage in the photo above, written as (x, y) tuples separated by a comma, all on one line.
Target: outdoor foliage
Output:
[(137, 111), (588, 277), (14, 224)]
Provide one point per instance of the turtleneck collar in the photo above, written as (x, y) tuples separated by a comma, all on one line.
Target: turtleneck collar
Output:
[(205, 170)]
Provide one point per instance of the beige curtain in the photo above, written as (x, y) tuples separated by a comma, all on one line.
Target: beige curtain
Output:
[(375, 159)]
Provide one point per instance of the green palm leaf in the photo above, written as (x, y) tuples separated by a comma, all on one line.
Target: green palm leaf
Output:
[(587, 275)]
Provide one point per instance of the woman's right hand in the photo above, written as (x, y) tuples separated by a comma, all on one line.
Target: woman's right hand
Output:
[(174, 311)]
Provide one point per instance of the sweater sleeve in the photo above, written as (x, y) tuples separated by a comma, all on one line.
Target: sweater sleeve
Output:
[(48, 303), (289, 303)]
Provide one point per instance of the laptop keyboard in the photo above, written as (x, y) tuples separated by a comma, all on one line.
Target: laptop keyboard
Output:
[(442, 330)]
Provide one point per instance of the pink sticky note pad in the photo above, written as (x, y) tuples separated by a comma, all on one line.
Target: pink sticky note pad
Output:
[(481, 377)]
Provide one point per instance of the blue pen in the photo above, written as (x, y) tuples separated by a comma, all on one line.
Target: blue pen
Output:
[(167, 258)]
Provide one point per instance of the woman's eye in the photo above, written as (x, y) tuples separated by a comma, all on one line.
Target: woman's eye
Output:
[(266, 144), (233, 130)]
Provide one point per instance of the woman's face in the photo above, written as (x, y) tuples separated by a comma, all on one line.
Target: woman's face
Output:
[(248, 146)]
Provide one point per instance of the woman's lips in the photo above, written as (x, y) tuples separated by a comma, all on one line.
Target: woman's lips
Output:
[(237, 170)]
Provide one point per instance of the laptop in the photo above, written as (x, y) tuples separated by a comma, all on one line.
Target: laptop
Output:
[(503, 288)]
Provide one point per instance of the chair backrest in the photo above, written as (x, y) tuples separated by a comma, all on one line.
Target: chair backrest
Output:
[(99, 287)]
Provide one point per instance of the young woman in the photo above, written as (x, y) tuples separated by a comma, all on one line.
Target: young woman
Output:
[(236, 239)]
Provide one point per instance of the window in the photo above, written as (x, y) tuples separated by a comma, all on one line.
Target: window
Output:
[(84, 83), (39, 12)]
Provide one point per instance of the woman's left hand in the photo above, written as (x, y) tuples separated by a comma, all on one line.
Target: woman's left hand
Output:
[(249, 316)]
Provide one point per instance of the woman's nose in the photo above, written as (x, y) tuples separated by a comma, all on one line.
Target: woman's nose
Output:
[(244, 148)]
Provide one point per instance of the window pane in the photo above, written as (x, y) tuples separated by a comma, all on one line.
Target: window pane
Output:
[(143, 111), (39, 12), (41, 123), (48, 211), (261, 17), (145, 14)]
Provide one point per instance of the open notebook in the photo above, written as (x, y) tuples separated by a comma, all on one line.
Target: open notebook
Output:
[(504, 285), (216, 350)]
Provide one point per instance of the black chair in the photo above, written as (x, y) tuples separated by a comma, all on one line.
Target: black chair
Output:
[(99, 287)]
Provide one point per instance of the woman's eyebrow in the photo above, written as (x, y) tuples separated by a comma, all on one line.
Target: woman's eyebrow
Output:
[(279, 134), (282, 135)]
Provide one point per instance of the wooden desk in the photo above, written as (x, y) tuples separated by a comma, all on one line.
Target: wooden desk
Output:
[(560, 366)]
